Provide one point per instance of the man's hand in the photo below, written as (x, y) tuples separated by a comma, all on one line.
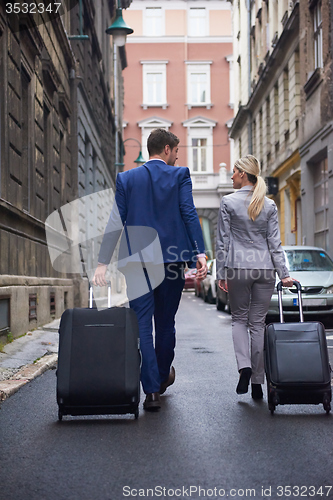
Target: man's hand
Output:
[(99, 276), (201, 268), (288, 281), (223, 285)]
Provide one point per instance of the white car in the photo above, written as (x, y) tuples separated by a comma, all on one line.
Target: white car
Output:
[(208, 288), (313, 268)]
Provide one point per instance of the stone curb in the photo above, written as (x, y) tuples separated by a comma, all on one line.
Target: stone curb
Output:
[(27, 374)]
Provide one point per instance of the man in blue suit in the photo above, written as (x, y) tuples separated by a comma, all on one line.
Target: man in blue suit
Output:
[(158, 195)]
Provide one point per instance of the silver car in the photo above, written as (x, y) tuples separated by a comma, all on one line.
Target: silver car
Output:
[(313, 268), (208, 289)]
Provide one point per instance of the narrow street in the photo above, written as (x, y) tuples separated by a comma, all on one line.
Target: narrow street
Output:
[(206, 442)]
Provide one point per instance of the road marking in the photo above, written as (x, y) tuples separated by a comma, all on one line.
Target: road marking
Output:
[(222, 317), (329, 337)]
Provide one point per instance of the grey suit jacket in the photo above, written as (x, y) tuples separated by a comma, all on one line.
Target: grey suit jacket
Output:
[(246, 244)]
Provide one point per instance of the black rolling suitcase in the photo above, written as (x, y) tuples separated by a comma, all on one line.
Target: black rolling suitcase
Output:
[(98, 362), (296, 361)]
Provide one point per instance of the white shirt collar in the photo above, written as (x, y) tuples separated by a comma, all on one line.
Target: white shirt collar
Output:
[(156, 159)]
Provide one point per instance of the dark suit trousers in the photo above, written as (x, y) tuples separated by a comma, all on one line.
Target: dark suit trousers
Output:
[(162, 304)]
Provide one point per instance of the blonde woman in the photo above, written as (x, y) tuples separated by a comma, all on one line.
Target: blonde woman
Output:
[(248, 254)]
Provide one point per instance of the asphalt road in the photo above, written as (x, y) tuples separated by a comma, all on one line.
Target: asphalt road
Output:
[(205, 436)]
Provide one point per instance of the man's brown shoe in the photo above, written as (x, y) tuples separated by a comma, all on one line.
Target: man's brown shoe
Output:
[(169, 381), (152, 402)]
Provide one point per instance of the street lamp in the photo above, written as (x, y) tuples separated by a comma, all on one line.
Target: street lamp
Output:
[(140, 159), (119, 30)]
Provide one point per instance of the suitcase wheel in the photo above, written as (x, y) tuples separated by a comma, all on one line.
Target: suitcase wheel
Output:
[(327, 404), (136, 413), (271, 408), (327, 408), (59, 415)]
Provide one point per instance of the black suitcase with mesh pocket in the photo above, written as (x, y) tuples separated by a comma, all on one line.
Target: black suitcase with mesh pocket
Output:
[(296, 361), (99, 362)]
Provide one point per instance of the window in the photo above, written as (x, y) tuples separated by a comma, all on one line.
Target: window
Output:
[(26, 139), (276, 116), (52, 304), (199, 155), (197, 21), (200, 144), (32, 306), (154, 22), (239, 61), (254, 135), (199, 84), (268, 125), (154, 84), (286, 102), (321, 203), (147, 126), (260, 149), (4, 314), (318, 36)]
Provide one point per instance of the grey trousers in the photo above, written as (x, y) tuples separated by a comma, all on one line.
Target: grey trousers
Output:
[(250, 292)]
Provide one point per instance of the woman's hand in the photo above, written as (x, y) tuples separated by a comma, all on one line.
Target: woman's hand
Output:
[(223, 285), (288, 281)]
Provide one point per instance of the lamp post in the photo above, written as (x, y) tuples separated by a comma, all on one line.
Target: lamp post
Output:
[(140, 159), (119, 30)]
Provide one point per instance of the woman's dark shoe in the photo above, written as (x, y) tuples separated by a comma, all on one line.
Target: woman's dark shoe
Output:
[(244, 380), (256, 391)]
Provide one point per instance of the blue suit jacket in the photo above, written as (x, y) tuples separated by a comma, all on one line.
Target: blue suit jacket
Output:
[(158, 196)]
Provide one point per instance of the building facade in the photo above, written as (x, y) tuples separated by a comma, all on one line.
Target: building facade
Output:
[(179, 77), (316, 149), (268, 101), (57, 140), (283, 111)]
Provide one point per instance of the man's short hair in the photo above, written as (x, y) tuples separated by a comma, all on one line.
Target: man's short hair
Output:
[(158, 139)]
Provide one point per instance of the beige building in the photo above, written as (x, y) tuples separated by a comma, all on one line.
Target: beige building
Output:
[(179, 77), (268, 101)]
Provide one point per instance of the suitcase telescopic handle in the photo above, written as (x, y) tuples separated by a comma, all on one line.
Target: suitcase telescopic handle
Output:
[(91, 294), (300, 303)]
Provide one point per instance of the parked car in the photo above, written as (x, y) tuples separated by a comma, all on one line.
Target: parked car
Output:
[(208, 284), (198, 288), (190, 279), (313, 268), (222, 299)]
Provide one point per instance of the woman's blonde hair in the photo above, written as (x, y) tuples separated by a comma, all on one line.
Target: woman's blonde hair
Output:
[(251, 166)]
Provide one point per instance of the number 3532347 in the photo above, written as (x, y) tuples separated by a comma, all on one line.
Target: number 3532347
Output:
[(32, 8)]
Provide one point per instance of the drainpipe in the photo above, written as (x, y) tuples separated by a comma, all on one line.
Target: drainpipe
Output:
[(248, 7), (116, 104)]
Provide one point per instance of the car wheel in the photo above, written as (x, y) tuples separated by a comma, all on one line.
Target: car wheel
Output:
[(219, 305), (227, 307), (209, 296)]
